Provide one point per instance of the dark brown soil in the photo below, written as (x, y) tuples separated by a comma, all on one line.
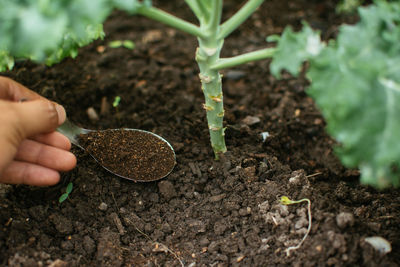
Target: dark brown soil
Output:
[(132, 154), (205, 213)]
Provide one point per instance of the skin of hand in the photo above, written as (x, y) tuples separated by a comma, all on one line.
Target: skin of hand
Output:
[(31, 152)]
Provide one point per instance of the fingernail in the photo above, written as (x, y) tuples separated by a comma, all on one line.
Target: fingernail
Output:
[(62, 115)]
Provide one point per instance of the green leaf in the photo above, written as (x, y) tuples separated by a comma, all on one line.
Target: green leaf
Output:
[(129, 44), (293, 49), (118, 43), (69, 188), (70, 44), (285, 200), (6, 61), (355, 81), (356, 84), (62, 198), (273, 38), (115, 44), (116, 101), (47, 31)]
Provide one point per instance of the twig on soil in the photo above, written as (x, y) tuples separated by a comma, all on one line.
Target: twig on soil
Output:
[(157, 243), (115, 202), (118, 223), (286, 201), (314, 174), (170, 251), (274, 220), (148, 237)]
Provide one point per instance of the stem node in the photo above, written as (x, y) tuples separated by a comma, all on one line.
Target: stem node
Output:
[(210, 51), (214, 128), (216, 98), (207, 108), (205, 78)]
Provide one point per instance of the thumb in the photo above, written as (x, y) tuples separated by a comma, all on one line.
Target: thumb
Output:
[(22, 120), (37, 116)]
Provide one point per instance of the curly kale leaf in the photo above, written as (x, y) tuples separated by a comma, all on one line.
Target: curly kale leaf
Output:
[(355, 81), (45, 30), (294, 48), (50, 30)]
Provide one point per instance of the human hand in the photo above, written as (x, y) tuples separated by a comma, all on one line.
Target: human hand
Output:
[(31, 151)]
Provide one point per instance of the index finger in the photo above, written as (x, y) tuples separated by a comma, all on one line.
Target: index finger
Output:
[(54, 139), (11, 90)]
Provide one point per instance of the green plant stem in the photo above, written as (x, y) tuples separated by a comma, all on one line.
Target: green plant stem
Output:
[(207, 54), (215, 16), (194, 6), (236, 20), (210, 35), (224, 63), (198, 9), (170, 20), (203, 8)]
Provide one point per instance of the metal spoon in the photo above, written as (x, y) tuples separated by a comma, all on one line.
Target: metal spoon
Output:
[(150, 167)]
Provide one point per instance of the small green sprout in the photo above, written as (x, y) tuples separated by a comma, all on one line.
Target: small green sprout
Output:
[(125, 43), (286, 201), (117, 99), (68, 191), (115, 104)]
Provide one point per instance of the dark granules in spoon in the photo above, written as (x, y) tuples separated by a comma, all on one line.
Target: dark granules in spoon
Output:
[(137, 155)]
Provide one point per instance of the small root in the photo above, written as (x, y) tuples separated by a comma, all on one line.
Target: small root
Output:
[(286, 201)]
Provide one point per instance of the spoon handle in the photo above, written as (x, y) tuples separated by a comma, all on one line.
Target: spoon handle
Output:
[(71, 131)]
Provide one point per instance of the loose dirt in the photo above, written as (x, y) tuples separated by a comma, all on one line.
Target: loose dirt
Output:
[(205, 213)]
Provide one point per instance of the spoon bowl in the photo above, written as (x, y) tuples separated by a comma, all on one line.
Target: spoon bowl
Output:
[(133, 154)]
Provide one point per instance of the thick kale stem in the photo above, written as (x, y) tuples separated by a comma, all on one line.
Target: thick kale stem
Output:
[(206, 55), (211, 36), (212, 89)]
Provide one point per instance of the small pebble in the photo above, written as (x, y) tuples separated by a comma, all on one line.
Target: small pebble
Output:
[(105, 106), (251, 120), (264, 135), (92, 114), (344, 219), (103, 206), (379, 243), (204, 242), (244, 211)]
